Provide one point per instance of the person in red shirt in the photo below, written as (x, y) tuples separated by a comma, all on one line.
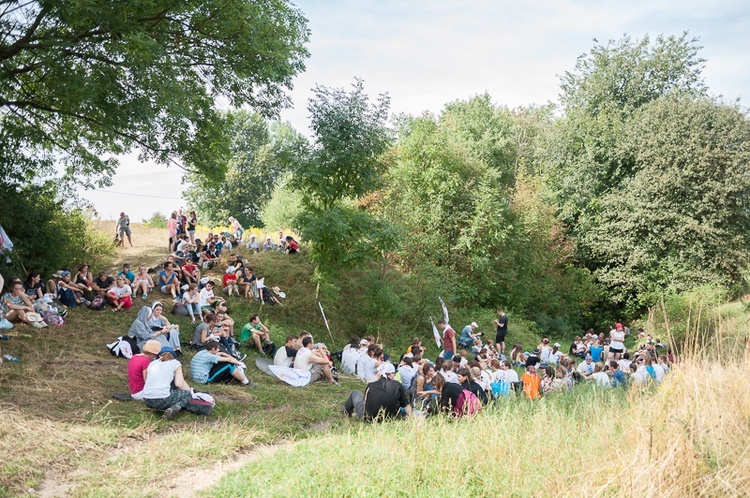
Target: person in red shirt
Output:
[(137, 367), (449, 339), (291, 245), (190, 273), (229, 282)]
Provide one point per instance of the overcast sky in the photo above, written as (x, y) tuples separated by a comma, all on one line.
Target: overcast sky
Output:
[(428, 53)]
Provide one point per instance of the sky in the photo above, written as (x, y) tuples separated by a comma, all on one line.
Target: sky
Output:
[(425, 54)]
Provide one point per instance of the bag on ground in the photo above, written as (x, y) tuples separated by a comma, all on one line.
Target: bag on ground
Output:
[(124, 347), (201, 403), (467, 404)]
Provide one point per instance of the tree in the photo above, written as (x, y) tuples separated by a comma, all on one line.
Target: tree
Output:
[(343, 163), (259, 156), (84, 80), (682, 220)]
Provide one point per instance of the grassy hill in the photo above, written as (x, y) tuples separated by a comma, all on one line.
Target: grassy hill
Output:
[(62, 434)]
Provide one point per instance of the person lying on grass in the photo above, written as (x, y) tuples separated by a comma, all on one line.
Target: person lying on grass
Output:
[(211, 366), (165, 387), (137, 366), (383, 398)]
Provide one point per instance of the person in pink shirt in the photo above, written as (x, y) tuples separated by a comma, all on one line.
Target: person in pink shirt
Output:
[(137, 367), (172, 229)]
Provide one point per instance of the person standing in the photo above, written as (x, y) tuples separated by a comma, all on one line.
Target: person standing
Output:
[(449, 339), (238, 230), (123, 229), (192, 222), (172, 230), (501, 323)]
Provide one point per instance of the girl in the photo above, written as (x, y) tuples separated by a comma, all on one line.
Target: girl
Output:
[(165, 387), (33, 286), (191, 298), (142, 282), (192, 222), (171, 230), (119, 295)]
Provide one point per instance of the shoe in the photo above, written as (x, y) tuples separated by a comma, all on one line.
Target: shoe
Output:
[(176, 298), (170, 412), (144, 296), (242, 358), (251, 385)]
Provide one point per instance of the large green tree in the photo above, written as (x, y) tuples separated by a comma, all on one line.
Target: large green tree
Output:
[(259, 155), (84, 80), (344, 162)]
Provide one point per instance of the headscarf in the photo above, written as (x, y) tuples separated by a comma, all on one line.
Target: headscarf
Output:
[(139, 329)]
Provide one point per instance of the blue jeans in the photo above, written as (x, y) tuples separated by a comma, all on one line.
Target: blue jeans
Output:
[(448, 355)]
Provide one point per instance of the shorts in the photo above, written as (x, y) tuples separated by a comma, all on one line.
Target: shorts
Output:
[(448, 355), (164, 290), (221, 372), (500, 337), (615, 351), (316, 372), (124, 231)]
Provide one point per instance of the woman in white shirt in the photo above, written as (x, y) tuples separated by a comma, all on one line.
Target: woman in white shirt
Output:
[(158, 392), (120, 295)]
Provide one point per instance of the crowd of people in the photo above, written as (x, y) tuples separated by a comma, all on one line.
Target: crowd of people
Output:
[(468, 373)]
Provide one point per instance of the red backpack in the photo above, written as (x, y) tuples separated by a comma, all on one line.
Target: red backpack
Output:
[(467, 404)]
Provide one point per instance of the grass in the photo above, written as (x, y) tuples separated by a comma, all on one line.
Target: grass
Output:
[(61, 429)]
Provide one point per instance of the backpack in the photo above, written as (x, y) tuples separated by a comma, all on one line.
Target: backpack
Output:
[(98, 303), (180, 309), (467, 404), (201, 403), (67, 297), (124, 347), (269, 348)]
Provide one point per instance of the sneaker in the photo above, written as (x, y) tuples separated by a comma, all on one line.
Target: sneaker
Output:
[(242, 357), (144, 296), (170, 412), (176, 298), (251, 385)]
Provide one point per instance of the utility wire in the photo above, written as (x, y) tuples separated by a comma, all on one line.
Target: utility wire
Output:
[(137, 195)]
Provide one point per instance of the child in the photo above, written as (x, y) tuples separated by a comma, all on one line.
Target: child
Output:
[(191, 299), (229, 282)]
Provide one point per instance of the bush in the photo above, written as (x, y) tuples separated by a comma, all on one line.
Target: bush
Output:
[(47, 235), (157, 220)]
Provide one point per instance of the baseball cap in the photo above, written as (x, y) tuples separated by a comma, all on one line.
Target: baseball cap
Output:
[(386, 368), (557, 344), (165, 350), (474, 324), (618, 326)]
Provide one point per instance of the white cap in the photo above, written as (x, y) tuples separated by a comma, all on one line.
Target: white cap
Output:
[(557, 344), (386, 368), (474, 324)]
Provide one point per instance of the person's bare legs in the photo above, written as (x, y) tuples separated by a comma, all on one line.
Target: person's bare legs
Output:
[(256, 340), (239, 374)]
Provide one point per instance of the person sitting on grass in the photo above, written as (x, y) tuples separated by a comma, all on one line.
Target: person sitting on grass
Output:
[(137, 366), (120, 296), (203, 332), (291, 245), (191, 274), (125, 272), (246, 280), (165, 387), (102, 284), (169, 281), (229, 282), (384, 398), (253, 245), (211, 366), (223, 318), (191, 300), (143, 282), (207, 300), (314, 361), (586, 368), (141, 328), (531, 382), (256, 331), (285, 356), (69, 293), (33, 286), (15, 304)]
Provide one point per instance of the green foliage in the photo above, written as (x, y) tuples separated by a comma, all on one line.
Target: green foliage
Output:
[(283, 207), (343, 164), (47, 235), (157, 220), (682, 219), (259, 156), (87, 79), (349, 136)]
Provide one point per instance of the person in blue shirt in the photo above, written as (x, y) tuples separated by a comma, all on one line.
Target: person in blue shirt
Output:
[(595, 350), (467, 335), (618, 376)]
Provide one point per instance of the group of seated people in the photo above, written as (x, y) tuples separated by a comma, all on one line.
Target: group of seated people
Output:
[(285, 244), (431, 387)]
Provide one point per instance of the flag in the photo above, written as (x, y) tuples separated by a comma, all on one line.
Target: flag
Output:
[(292, 376), (324, 317), (445, 311), (435, 333), (5, 242)]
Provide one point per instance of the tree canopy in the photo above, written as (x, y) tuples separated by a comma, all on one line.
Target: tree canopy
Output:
[(84, 80)]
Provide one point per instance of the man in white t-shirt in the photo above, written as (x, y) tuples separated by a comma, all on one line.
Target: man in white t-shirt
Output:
[(313, 361), (285, 356), (206, 299), (350, 355), (554, 356)]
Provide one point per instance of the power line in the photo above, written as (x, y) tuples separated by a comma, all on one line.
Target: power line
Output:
[(138, 195)]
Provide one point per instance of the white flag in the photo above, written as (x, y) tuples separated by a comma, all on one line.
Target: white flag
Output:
[(445, 311), (435, 333), (5, 242)]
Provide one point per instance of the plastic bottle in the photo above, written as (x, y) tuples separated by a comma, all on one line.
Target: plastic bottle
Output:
[(10, 358)]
